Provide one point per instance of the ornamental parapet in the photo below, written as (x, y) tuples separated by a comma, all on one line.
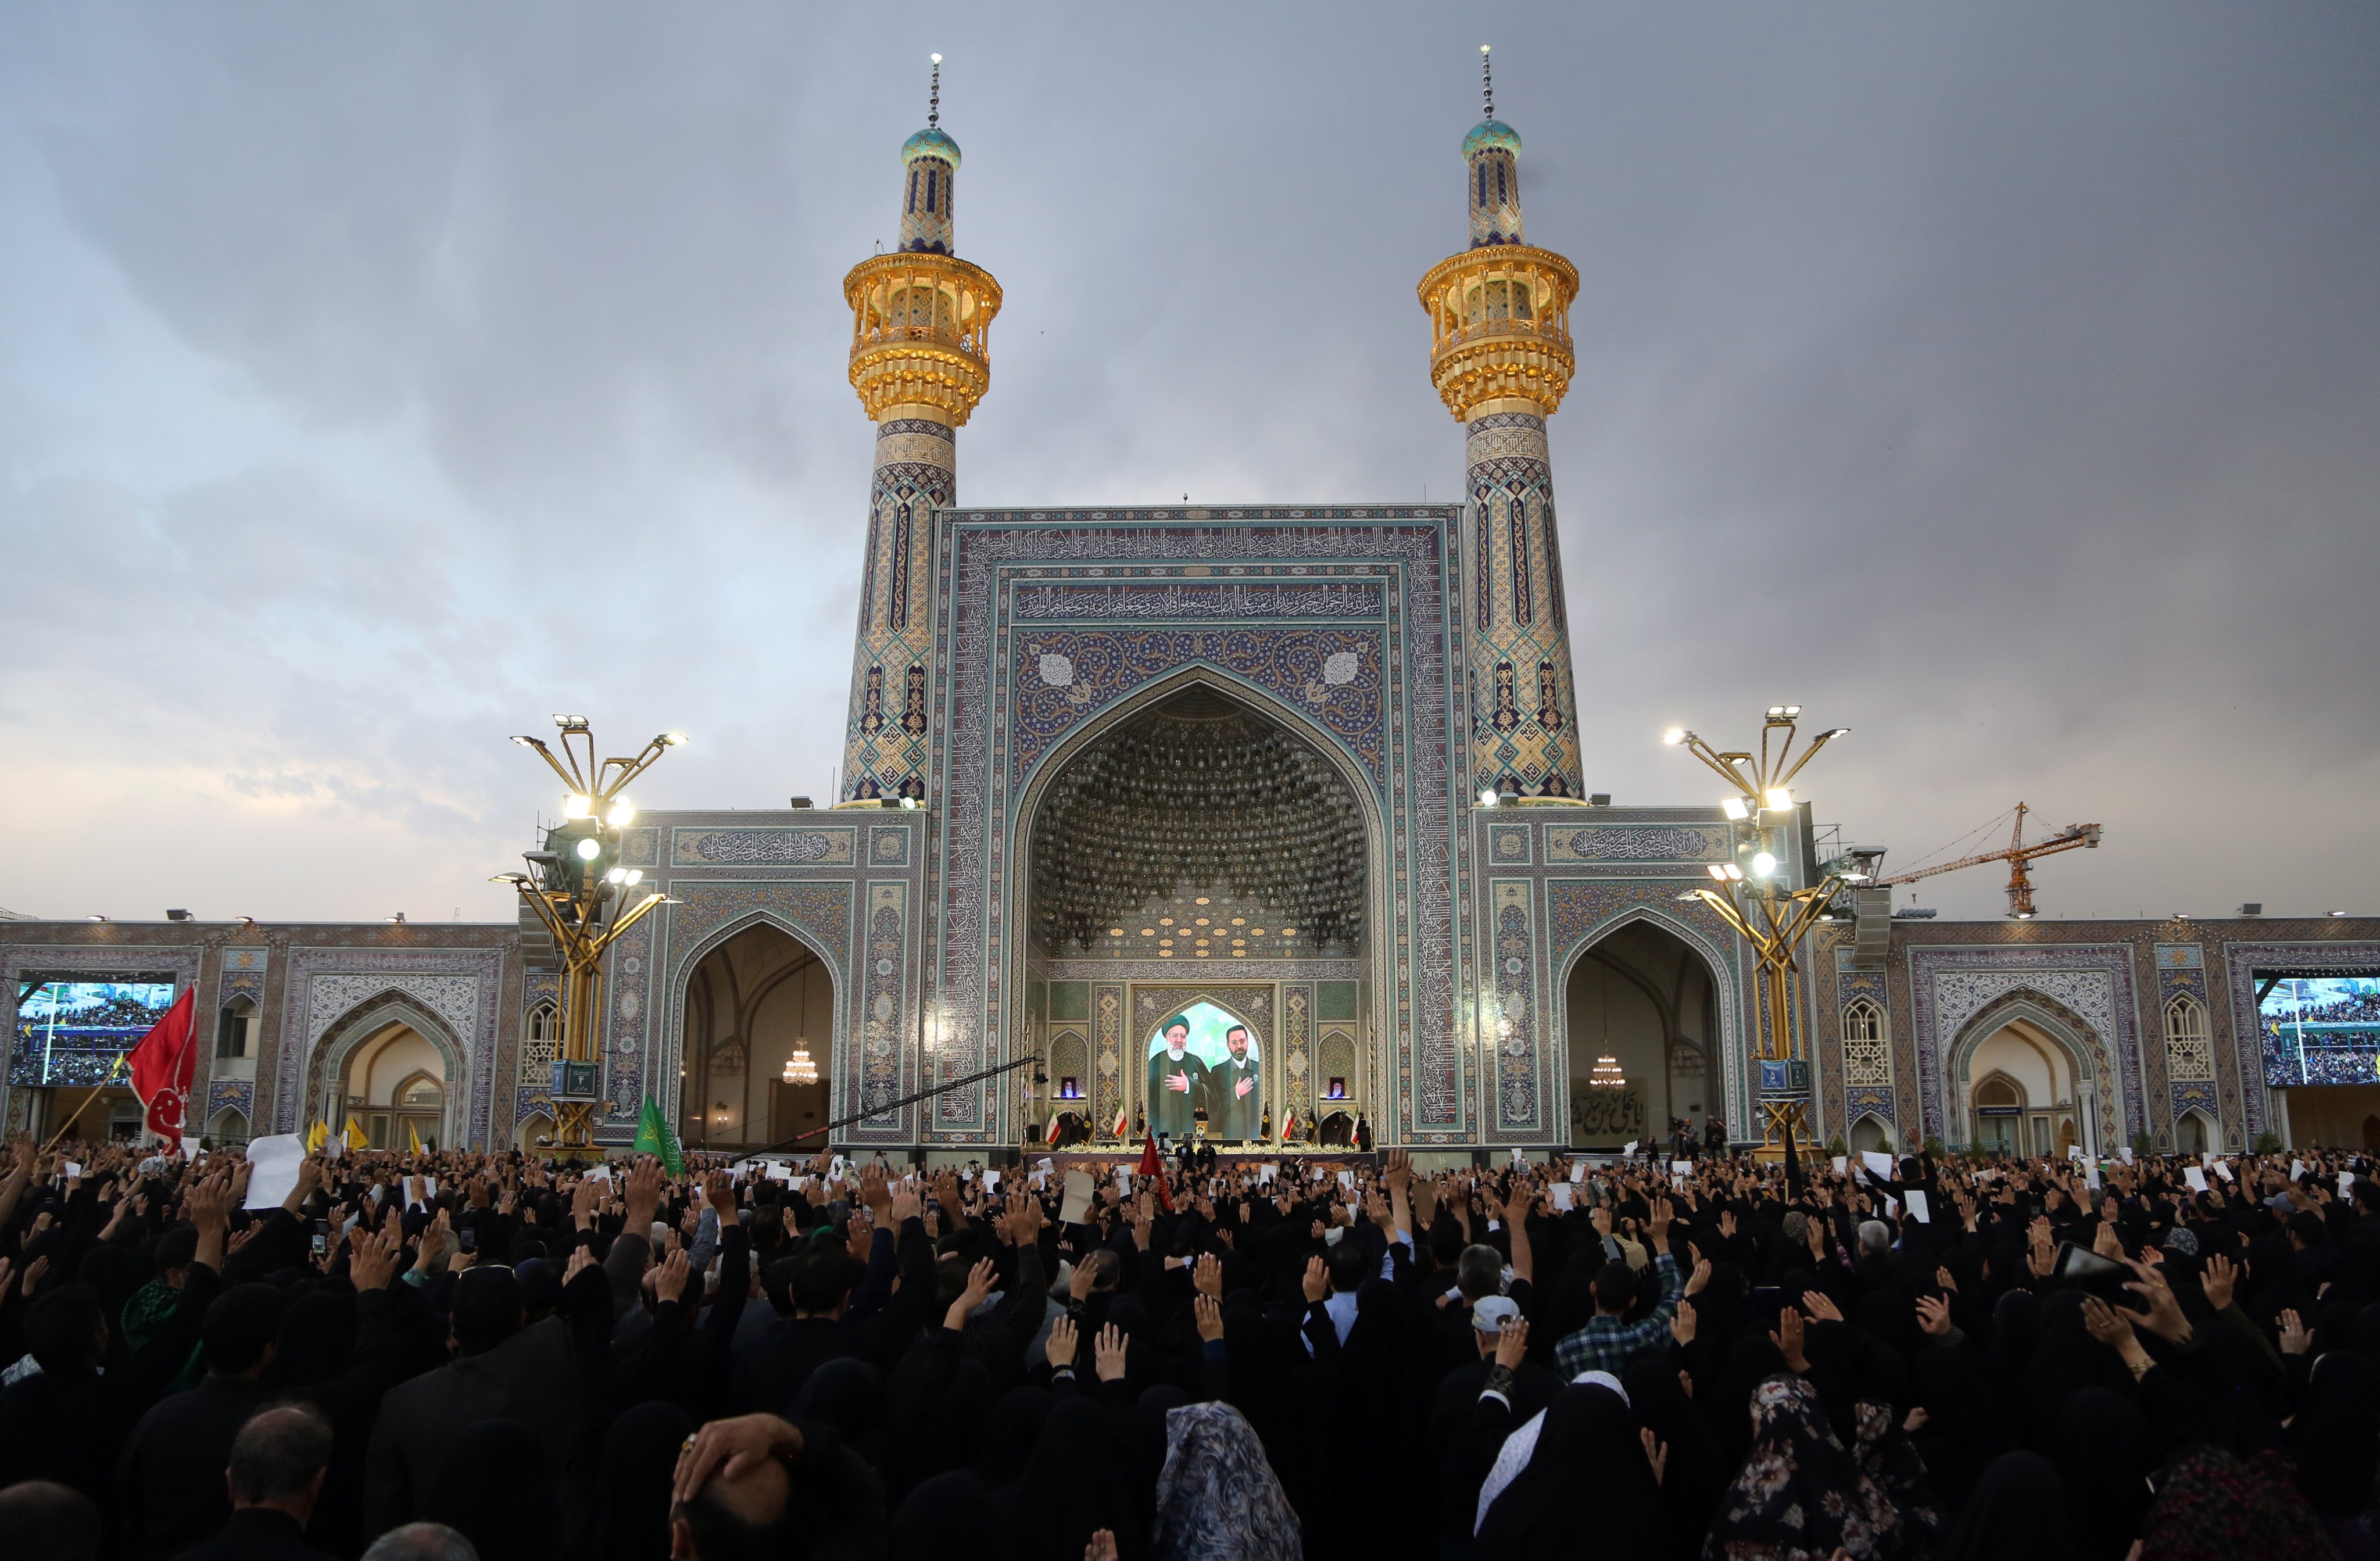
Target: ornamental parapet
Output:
[(1499, 328), (920, 326)]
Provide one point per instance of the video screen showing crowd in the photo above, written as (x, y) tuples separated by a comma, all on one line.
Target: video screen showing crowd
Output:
[(1204, 1065)]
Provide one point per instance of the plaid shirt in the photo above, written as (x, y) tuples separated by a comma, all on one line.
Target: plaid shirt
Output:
[(1607, 1344)]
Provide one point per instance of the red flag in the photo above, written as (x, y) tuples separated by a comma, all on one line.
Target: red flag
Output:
[(161, 1063), (1152, 1165)]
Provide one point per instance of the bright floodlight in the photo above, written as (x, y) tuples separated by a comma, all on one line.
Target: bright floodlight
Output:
[(576, 806), (589, 849), (673, 739), (1674, 737), (1763, 866), (635, 876), (1486, 796), (623, 811), (1776, 711), (618, 875), (1716, 871), (1777, 796), (1734, 873), (1792, 709), (1834, 731), (1733, 807)]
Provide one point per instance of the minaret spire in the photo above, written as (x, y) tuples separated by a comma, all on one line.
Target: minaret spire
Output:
[(920, 362), (1501, 358)]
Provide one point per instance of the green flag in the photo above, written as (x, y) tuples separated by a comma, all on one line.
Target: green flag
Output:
[(653, 1137)]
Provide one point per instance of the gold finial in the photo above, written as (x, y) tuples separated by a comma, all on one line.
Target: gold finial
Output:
[(934, 99), (1487, 84)]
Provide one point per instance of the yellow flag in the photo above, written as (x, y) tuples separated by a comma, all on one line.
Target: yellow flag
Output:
[(356, 1137), (317, 1137), (414, 1136)]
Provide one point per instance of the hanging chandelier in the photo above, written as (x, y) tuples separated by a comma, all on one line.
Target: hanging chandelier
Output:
[(799, 1069), (1606, 1073)]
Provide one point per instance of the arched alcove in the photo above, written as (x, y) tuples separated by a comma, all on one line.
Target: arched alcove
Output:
[(1640, 1008), (759, 1004)]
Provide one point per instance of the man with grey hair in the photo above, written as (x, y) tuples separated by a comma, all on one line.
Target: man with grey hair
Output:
[(421, 1542), (1874, 1238), (277, 1464)]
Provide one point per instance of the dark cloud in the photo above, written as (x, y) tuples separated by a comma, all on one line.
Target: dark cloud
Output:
[(1999, 381)]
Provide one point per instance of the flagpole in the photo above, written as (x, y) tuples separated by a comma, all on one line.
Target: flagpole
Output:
[(89, 1095)]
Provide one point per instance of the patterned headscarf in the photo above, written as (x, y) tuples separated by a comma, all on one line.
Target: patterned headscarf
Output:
[(1800, 1495), (2211, 1506), (1217, 1498)]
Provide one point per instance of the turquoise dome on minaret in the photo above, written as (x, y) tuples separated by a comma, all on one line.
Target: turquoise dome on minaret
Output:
[(932, 160), (933, 142), (1489, 135)]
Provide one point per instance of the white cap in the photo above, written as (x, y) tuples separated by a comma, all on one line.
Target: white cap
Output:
[(1492, 1313)]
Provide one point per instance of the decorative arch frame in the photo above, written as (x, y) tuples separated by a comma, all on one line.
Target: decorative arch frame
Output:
[(682, 967), (2087, 1053), (366, 1022), (1378, 868), (1850, 1137), (2206, 1121), (1727, 981)]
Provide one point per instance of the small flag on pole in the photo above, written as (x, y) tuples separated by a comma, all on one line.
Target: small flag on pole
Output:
[(357, 1138), (317, 1135), (414, 1137), (654, 1137)]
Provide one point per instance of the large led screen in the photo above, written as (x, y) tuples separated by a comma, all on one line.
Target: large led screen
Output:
[(2321, 1029), (72, 1032)]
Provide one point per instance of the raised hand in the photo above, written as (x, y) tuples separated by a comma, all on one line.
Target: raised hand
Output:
[(1821, 1307), (1108, 1354), (1788, 1336), (2295, 1339), (1657, 1452), (1209, 1313), (1102, 1546), (372, 1259), (1683, 1326), (1064, 1339), (1317, 1280), (1933, 1316), (2220, 1276), (1512, 1344), (670, 1279), (1207, 1277)]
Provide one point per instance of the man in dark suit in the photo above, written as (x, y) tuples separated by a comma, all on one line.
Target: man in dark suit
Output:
[(506, 1372), (1234, 1098), (277, 1464), (169, 1477)]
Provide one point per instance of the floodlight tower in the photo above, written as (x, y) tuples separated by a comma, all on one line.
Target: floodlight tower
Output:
[(580, 895), (1759, 898)]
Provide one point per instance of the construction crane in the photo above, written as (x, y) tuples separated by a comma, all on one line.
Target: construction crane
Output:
[(2020, 884)]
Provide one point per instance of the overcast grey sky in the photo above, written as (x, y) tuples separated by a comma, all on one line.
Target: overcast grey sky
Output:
[(2002, 380)]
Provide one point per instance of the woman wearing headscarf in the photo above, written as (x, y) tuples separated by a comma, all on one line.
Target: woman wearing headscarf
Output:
[(1800, 1495), (2016, 1512), (1072, 1486), (2102, 1432), (1696, 1468), (2210, 1506), (1217, 1498), (491, 1487), (1586, 1439), (626, 1516), (2334, 1442), (949, 1515)]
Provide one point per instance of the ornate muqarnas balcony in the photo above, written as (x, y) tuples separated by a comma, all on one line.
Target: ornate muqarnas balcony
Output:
[(919, 323), (1500, 329)]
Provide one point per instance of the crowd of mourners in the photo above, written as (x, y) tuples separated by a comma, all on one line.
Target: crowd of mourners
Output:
[(452, 1356)]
